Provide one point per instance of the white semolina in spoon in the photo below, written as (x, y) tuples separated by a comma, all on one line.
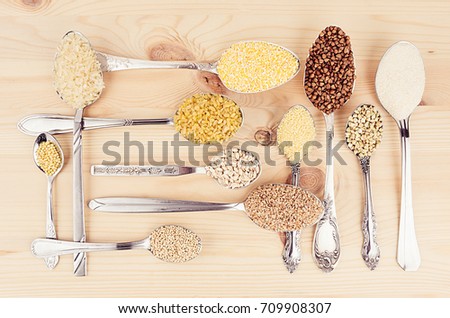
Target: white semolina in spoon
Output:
[(400, 83)]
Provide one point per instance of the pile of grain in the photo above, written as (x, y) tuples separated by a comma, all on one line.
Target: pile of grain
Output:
[(282, 207), (78, 78), (255, 66), (208, 118)]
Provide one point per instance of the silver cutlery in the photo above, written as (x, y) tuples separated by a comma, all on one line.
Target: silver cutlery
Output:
[(400, 83), (50, 228)]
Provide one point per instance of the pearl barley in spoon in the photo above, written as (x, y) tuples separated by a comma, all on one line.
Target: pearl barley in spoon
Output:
[(400, 83)]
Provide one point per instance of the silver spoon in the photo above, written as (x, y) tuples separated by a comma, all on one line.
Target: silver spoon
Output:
[(52, 248), (152, 205), (175, 170), (110, 63), (400, 83), (34, 124), (326, 242), (50, 228), (291, 253), (370, 250), (79, 231)]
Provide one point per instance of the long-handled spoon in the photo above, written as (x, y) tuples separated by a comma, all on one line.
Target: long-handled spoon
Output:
[(60, 124), (363, 134), (111, 63), (320, 69), (400, 83), (291, 253), (50, 228), (227, 170), (172, 243), (79, 102), (293, 209)]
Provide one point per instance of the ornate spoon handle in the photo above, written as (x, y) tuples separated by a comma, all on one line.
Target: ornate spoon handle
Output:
[(326, 245), (291, 252), (370, 250)]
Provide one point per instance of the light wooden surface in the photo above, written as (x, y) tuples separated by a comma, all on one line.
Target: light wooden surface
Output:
[(238, 258)]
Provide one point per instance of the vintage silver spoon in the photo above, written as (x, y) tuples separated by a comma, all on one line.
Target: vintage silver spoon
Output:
[(326, 242), (50, 228), (400, 83), (79, 231), (291, 253), (354, 133), (213, 169), (186, 245), (110, 63)]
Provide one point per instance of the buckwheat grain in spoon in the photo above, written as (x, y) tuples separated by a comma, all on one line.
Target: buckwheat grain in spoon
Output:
[(329, 81)]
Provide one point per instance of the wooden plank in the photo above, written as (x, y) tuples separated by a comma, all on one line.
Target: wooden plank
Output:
[(238, 259)]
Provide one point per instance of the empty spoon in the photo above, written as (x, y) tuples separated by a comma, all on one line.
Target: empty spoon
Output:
[(49, 160), (78, 80), (274, 207), (169, 243), (329, 82), (400, 83), (363, 134), (296, 123), (235, 169)]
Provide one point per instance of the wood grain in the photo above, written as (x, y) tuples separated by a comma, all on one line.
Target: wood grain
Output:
[(238, 259)]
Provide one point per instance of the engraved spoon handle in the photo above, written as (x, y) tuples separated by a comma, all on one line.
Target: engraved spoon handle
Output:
[(147, 171), (326, 243), (370, 250), (110, 63), (408, 254), (291, 253)]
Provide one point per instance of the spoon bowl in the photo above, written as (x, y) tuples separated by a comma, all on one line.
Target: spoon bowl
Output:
[(51, 262), (43, 137)]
